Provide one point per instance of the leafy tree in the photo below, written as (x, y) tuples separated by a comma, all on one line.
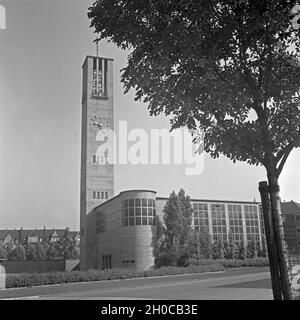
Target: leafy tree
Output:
[(262, 251), (41, 251), (69, 248), (251, 249), (229, 68), (242, 251), (158, 239), (227, 251), (31, 252), (218, 251), (17, 254), (3, 253), (9, 247), (187, 211), (173, 249), (236, 250), (54, 251), (200, 246)]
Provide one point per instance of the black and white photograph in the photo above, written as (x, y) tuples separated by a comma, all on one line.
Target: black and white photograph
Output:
[(149, 153)]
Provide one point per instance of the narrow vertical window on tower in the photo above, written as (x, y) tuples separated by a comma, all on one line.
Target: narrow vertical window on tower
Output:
[(105, 78), (100, 69)]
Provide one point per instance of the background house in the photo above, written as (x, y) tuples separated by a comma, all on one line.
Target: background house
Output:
[(26, 236)]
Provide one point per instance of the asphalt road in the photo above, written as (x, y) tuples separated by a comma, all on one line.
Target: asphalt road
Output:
[(238, 284)]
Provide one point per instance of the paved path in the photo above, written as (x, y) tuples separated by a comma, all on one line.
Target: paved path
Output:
[(231, 285)]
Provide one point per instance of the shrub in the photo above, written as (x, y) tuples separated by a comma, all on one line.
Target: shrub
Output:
[(31, 252), (3, 252), (233, 263), (17, 254), (38, 279)]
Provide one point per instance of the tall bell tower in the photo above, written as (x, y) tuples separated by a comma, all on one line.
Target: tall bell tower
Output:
[(97, 172)]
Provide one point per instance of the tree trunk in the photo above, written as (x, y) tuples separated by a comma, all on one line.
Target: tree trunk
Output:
[(282, 252), (270, 237)]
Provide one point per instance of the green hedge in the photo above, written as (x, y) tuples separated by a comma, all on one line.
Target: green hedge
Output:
[(38, 279), (234, 263)]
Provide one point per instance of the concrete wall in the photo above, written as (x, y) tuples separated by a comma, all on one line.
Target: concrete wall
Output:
[(133, 243), (94, 176), (38, 266), (33, 266)]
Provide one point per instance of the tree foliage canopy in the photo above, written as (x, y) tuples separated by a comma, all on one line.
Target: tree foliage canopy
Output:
[(229, 67), (175, 231)]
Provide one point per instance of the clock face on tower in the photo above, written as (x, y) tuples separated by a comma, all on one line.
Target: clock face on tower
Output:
[(97, 122), (100, 122)]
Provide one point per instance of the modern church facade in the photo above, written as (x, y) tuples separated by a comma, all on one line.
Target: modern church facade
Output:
[(120, 231)]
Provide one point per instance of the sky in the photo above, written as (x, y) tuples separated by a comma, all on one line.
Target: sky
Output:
[(41, 54)]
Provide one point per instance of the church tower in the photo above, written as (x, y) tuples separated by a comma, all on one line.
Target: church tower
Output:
[(97, 172)]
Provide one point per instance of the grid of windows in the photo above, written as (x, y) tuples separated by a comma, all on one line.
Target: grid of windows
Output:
[(138, 212), (235, 222), (100, 195), (252, 225), (201, 217), (100, 222), (218, 222)]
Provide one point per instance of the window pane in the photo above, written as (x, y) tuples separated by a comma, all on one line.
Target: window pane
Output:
[(144, 202), (137, 202)]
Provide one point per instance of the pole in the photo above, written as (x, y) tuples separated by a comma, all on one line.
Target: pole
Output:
[(270, 239)]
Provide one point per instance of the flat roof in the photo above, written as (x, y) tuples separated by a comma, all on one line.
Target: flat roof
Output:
[(211, 200), (116, 196), (89, 56)]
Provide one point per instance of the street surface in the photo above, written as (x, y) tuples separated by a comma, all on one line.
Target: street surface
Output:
[(234, 284)]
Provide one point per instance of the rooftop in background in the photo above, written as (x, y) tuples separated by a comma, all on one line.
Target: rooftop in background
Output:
[(290, 207), (45, 234)]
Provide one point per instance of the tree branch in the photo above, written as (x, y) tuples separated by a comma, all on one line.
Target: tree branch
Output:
[(288, 148), (283, 161)]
